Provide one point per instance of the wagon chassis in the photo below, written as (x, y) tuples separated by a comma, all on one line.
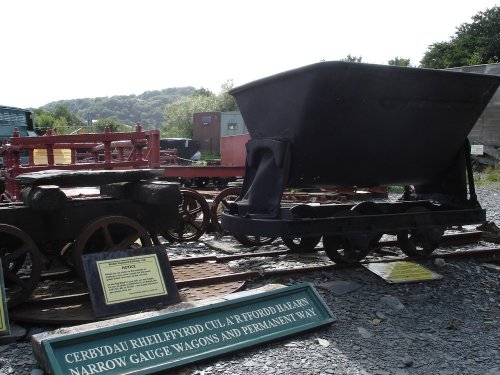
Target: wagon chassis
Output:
[(334, 219)]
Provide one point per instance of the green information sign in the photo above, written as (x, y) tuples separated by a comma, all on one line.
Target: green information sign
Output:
[(160, 343), (4, 320)]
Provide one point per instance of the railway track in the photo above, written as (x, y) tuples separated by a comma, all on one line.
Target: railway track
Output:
[(482, 253), (211, 276)]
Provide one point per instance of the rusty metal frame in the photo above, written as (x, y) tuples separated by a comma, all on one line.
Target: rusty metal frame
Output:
[(138, 149)]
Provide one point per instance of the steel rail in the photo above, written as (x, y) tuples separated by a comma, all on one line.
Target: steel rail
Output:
[(482, 253)]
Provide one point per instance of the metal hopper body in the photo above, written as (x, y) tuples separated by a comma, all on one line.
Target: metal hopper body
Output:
[(348, 124)]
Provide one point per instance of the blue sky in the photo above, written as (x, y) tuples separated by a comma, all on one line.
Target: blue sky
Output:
[(66, 49)]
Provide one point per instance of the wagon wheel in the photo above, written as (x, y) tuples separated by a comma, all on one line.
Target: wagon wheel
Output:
[(195, 218), (345, 249), (302, 244), (248, 240), (22, 264), (108, 233), (420, 242), (221, 204), (351, 248), (16, 264)]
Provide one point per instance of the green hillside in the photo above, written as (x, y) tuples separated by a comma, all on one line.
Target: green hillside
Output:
[(147, 108)]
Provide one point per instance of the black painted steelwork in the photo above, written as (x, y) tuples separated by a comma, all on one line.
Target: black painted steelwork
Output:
[(337, 124)]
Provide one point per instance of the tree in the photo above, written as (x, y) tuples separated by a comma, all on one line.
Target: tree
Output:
[(72, 120), (146, 108), (113, 124), (178, 116), (225, 101), (43, 119), (61, 126), (474, 43), (61, 120), (399, 61), (350, 58)]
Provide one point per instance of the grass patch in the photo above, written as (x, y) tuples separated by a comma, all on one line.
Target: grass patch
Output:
[(210, 156), (488, 175), (493, 176), (396, 189)]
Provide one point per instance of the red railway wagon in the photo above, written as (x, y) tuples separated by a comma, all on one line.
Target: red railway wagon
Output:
[(230, 166)]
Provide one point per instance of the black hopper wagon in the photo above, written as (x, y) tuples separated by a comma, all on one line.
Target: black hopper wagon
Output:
[(337, 124)]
